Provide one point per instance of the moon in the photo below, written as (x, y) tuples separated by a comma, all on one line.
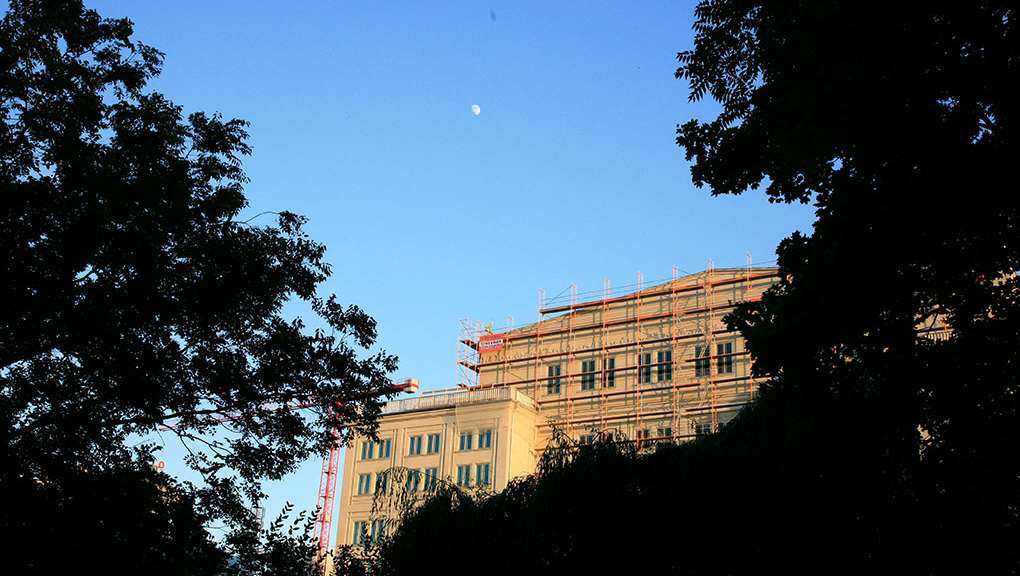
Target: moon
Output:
[(476, 109)]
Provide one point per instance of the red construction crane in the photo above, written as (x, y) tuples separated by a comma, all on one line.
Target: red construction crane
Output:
[(331, 463)]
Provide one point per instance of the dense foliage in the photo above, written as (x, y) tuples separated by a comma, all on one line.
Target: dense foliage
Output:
[(880, 444), (899, 121), (134, 298), (733, 503)]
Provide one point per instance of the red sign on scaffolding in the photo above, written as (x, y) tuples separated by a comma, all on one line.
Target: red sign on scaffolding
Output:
[(490, 343)]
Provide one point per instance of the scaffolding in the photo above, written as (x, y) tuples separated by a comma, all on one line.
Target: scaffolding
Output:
[(468, 353), (613, 343)]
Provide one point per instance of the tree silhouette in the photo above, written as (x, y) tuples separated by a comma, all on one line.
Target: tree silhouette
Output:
[(898, 122), (135, 298)]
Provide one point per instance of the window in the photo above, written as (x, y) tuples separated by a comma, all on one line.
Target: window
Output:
[(380, 449), (608, 374), (724, 362), (705, 428), (665, 432), (588, 375), (464, 476), (414, 446), (360, 532), (378, 529), (664, 370), (644, 367), (587, 439), (701, 364), (465, 440), (643, 434), (364, 484), (485, 439), (431, 478), (482, 474), (413, 480), (382, 482), (553, 384), (433, 445)]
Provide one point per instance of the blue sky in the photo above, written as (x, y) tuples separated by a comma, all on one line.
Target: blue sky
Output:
[(361, 120)]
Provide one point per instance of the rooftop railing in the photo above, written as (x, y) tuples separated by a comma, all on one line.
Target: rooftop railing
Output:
[(426, 402)]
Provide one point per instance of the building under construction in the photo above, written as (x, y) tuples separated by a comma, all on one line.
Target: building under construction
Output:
[(654, 364)]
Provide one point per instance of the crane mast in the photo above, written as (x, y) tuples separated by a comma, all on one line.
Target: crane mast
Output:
[(330, 469)]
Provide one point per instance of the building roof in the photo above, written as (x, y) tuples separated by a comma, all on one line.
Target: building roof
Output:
[(684, 283)]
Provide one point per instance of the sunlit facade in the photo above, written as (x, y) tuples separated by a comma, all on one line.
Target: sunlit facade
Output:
[(655, 364)]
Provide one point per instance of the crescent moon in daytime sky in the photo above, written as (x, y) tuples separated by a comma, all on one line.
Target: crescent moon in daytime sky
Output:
[(476, 109)]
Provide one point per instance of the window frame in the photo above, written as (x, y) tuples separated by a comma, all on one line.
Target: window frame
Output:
[(608, 372), (435, 443), (378, 530), (664, 366), (431, 479), (553, 382), (724, 358), (702, 362), (485, 439), (588, 374), (644, 367), (364, 484), (413, 481), (414, 446), (360, 532), (479, 481), (466, 441), (382, 481), (464, 476)]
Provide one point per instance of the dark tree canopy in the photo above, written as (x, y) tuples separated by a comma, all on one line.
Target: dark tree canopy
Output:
[(898, 120), (135, 298)]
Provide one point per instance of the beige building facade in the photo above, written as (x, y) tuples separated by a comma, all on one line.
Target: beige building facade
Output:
[(476, 438), (655, 364)]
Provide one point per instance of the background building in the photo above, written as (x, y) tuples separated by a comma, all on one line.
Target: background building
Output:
[(655, 364), (472, 437)]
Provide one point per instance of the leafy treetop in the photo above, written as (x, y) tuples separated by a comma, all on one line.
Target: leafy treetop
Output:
[(898, 120), (133, 295)]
